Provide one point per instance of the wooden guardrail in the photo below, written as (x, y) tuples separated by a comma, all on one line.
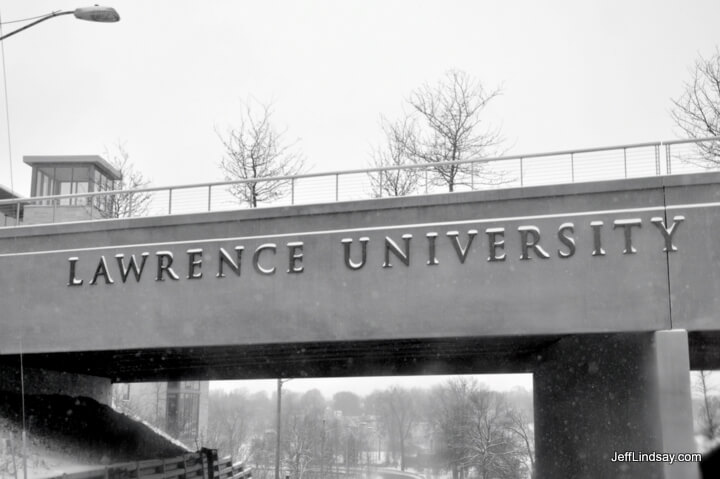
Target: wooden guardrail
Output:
[(203, 464), (225, 469)]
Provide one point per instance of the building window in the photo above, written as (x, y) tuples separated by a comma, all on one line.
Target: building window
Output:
[(44, 183), (191, 385)]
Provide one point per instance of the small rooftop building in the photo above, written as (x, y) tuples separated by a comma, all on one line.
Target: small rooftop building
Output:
[(70, 175)]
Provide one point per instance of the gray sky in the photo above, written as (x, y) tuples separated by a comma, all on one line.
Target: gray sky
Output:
[(171, 73), (574, 74), (365, 385)]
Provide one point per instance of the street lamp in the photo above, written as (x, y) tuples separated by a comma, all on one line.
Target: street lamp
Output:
[(91, 14)]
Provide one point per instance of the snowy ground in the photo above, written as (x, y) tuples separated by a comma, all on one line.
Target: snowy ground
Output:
[(66, 434)]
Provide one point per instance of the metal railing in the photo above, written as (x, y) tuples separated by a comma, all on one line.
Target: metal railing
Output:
[(571, 166)]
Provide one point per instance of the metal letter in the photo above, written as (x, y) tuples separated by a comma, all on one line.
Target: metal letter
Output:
[(597, 238), (459, 250), (295, 250), (533, 231), (668, 232), (403, 256), (346, 242), (627, 227), (566, 240), (132, 266), (495, 244), (194, 262), (432, 259), (102, 270), (73, 281), (225, 258), (161, 266), (256, 258)]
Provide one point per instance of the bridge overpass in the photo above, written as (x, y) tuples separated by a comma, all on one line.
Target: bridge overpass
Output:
[(605, 291)]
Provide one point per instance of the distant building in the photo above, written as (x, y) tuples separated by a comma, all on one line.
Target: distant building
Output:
[(68, 175)]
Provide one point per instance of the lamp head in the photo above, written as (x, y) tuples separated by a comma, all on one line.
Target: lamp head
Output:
[(97, 14)]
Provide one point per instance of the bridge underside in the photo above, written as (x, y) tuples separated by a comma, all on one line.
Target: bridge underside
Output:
[(345, 358), (461, 355)]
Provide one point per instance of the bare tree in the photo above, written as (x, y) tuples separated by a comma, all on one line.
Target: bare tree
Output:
[(395, 180), (403, 416), (452, 418), (697, 111), (475, 430), (446, 124), (519, 425), (254, 150), (299, 443), (492, 449), (126, 205), (228, 422), (709, 413), (396, 406)]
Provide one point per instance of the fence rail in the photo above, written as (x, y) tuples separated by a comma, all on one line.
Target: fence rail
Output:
[(559, 167), (203, 464)]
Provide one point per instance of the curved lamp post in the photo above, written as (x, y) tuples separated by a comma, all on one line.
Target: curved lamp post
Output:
[(91, 14)]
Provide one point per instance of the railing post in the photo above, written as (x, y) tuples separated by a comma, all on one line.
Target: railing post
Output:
[(170, 201), (625, 161), (337, 186), (668, 159), (522, 183), (209, 197), (572, 167), (54, 203), (657, 160), (211, 459), (292, 191)]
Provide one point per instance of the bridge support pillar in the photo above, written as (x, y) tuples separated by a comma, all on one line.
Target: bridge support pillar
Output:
[(600, 397)]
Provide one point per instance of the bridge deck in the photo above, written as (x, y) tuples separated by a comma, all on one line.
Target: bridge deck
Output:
[(500, 271)]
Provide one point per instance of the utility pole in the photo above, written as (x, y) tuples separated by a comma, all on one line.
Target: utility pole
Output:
[(277, 426), (322, 451)]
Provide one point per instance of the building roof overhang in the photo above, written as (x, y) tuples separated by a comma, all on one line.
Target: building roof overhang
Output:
[(40, 160)]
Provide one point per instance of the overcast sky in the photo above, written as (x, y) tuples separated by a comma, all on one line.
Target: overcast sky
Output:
[(171, 73), (163, 79), (366, 385)]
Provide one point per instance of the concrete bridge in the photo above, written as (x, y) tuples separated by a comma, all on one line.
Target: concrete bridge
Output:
[(605, 291)]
